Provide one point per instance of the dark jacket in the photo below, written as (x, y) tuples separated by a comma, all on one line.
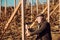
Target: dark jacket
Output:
[(44, 32)]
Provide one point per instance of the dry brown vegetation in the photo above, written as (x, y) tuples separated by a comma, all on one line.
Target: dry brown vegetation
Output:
[(14, 29)]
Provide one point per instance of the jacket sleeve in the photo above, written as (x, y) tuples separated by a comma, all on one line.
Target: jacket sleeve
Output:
[(39, 30)]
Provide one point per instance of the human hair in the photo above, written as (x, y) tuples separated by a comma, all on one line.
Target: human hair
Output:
[(43, 17)]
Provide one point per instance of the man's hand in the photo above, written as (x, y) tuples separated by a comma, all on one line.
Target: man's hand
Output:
[(28, 34)]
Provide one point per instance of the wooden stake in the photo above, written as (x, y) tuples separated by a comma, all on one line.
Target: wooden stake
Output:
[(54, 9), (12, 15), (27, 2), (22, 15), (14, 4), (53, 1), (31, 10), (5, 6), (44, 10), (37, 6), (6, 26), (48, 3), (0, 8), (59, 12)]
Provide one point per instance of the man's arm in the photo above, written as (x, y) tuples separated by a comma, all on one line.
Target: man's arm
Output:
[(39, 30)]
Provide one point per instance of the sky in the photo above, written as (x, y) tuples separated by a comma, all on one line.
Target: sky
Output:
[(11, 2)]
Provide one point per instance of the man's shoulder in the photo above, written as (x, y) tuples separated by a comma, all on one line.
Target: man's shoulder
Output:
[(46, 22)]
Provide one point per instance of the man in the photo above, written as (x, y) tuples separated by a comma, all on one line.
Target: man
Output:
[(43, 32)]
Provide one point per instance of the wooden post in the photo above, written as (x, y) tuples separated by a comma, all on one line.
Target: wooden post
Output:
[(31, 10), (44, 10), (43, 6), (48, 3), (22, 15), (6, 26), (53, 2), (54, 9), (14, 4), (5, 6), (23, 32), (59, 12), (27, 2), (0, 8), (19, 0), (37, 6)]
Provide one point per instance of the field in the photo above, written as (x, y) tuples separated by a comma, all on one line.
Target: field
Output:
[(13, 32)]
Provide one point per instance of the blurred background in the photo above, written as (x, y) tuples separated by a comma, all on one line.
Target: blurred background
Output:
[(51, 10)]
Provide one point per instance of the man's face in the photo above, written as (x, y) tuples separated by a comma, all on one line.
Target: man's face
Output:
[(39, 19)]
